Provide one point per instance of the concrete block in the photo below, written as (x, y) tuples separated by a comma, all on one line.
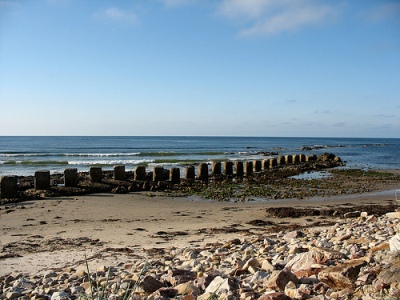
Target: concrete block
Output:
[(139, 173), (96, 173), (8, 187), (119, 172), (42, 180), (71, 177), (175, 175)]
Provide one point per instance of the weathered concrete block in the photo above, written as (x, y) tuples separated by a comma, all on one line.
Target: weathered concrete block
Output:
[(119, 172), (281, 160), (273, 163), (239, 170), (296, 159), (139, 173), (202, 171), (265, 164), (257, 165), (8, 187), (96, 173), (288, 159), (175, 175), (216, 168), (302, 158), (248, 168), (228, 168), (158, 173), (42, 180), (71, 177), (190, 173)]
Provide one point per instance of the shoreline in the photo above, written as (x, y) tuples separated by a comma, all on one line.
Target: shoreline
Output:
[(58, 236), (143, 221)]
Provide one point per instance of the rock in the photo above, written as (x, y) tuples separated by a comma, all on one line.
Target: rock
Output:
[(187, 288), (274, 296), (352, 214), (50, 274), (13, 295), (178, 276), (391, 274), (219, 285), (252, 262), (279, 279), (343, 275), (393, 215), (303, 265), (267, 266), (291, 291), (60, 296), (329, 254), (149, 284), (394, 243), (293, 235)]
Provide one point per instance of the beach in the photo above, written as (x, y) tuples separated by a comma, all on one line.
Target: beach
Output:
[(64, 233)]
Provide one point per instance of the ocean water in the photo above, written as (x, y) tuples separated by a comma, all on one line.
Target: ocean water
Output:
[(24, 155)]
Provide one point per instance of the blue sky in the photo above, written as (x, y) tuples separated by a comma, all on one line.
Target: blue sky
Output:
[(200, 67)]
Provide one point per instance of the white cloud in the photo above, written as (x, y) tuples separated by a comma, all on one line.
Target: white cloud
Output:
[(268, 17), (113, 14)]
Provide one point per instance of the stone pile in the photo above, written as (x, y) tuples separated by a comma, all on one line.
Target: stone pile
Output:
[(357, 258)]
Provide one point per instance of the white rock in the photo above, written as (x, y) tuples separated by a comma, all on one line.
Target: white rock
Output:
[(394, 243), (218, 286), (60, 296)]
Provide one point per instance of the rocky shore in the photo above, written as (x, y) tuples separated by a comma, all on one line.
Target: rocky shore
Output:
[(357, 257), (266, 236)]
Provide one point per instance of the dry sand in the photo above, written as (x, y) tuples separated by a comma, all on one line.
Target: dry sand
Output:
[(55, 233)]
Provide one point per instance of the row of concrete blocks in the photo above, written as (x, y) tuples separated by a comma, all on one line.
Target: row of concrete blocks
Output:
[(9, 184)]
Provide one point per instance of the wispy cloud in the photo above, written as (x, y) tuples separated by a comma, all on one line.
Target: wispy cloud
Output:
[(116, 15), (269, 17), (10, 5), (384, 11), (173, 3), (383, 116), (321, 112), (59, 2)]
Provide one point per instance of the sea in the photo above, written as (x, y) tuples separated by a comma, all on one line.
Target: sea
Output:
[(24, 155)]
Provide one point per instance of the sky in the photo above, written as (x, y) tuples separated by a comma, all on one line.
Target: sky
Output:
[(274, 68)]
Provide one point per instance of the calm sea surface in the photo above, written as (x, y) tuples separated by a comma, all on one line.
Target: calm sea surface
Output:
[(25, 155)]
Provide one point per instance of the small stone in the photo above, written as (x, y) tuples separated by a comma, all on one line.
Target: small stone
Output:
[(279, 279), (187, 288), (343, 275), (50, 274), (274, 296), (13, 295), (352, 214), (267, 266), (149, 284), (60, 296)]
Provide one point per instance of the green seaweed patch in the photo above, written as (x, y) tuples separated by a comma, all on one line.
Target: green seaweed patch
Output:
[(364, 173)]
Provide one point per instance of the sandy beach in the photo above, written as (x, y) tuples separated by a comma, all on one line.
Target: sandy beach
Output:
[(55, 233)]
